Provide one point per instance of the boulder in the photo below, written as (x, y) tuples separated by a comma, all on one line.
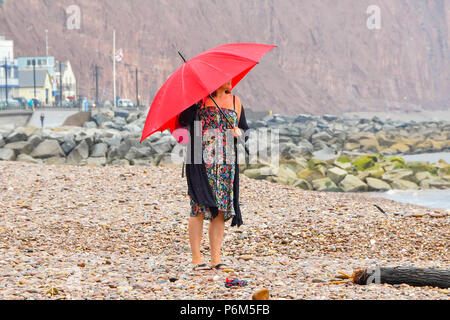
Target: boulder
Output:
[(47, 149), (19, 147), (34, 141), (90, 124), (99, 150), (68, 145), (423, 175), (324, 184), (377, 184), (309, 175), (439, 184), (99, 119), (27, 158), (122, 113), (16, 136), (55, 160), (302, 184), (78, 154), (351, 183), (397, 174), (164, 144), (402, 184), (99, 161), (7, 154), (336, 174)]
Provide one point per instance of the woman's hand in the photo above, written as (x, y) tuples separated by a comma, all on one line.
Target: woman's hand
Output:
[(237, 132)]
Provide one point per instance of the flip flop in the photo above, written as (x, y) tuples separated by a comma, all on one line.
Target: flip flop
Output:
[(235, 282), (201, 267), (220, 266)]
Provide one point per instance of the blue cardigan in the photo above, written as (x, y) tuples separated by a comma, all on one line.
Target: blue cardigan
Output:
[(196, 176)]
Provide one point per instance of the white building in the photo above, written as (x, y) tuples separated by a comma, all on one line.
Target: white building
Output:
[(9, 82)]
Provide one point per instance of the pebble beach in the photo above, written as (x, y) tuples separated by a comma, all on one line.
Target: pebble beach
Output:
[(121, 232)]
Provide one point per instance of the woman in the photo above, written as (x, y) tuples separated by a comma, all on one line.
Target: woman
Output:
[(213, 183)]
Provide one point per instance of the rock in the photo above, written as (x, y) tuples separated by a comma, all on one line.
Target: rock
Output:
[(397, 148), (397, 174), (377, 184), (113, 140), (99, 119), (122, 113), (68, 145), (47, 149), (2, 142), (90, 124), (79, 153), (336, 174), (99, 150), (352, 184), (370, 144), (439, 184), (302, 184), (423, 175), (16, 136), (18, 147), (99, 161), (164, 144), (324, 184), (261, 294), (310, 175), (27, 158), (303, 118), (55, 160), (86, 136), (402, 184), (34, 141), (7, 154)]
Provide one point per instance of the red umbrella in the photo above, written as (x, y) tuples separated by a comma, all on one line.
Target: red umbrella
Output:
[(197, 78)]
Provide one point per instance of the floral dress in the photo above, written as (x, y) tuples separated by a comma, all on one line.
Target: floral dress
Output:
[(219, 158)]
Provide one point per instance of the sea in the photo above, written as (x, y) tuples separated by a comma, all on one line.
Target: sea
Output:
[(432, 198)]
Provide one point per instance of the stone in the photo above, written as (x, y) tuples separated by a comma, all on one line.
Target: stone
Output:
[(90, 124), (18, 147), (27, 158), (402, 184), (79, 153), (121, 113), (397, 174), (2, 142), (99, 161), (324, 184), (68, 146), (99, 119), (47, 149), (261, 294), (16, 136), (423, 175), (99, 150), (310, 175), (7, 154), (377, 184), (336, 174), (302, 184), (351, 183), (55, 160)]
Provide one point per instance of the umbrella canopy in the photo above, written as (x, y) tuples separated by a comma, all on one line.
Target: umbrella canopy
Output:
[(197, 78)]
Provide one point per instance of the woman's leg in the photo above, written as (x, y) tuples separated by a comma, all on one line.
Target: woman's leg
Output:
[(195, 237), (216, 231)]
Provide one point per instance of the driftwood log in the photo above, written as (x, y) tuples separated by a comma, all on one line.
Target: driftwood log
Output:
[(418, 277)]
